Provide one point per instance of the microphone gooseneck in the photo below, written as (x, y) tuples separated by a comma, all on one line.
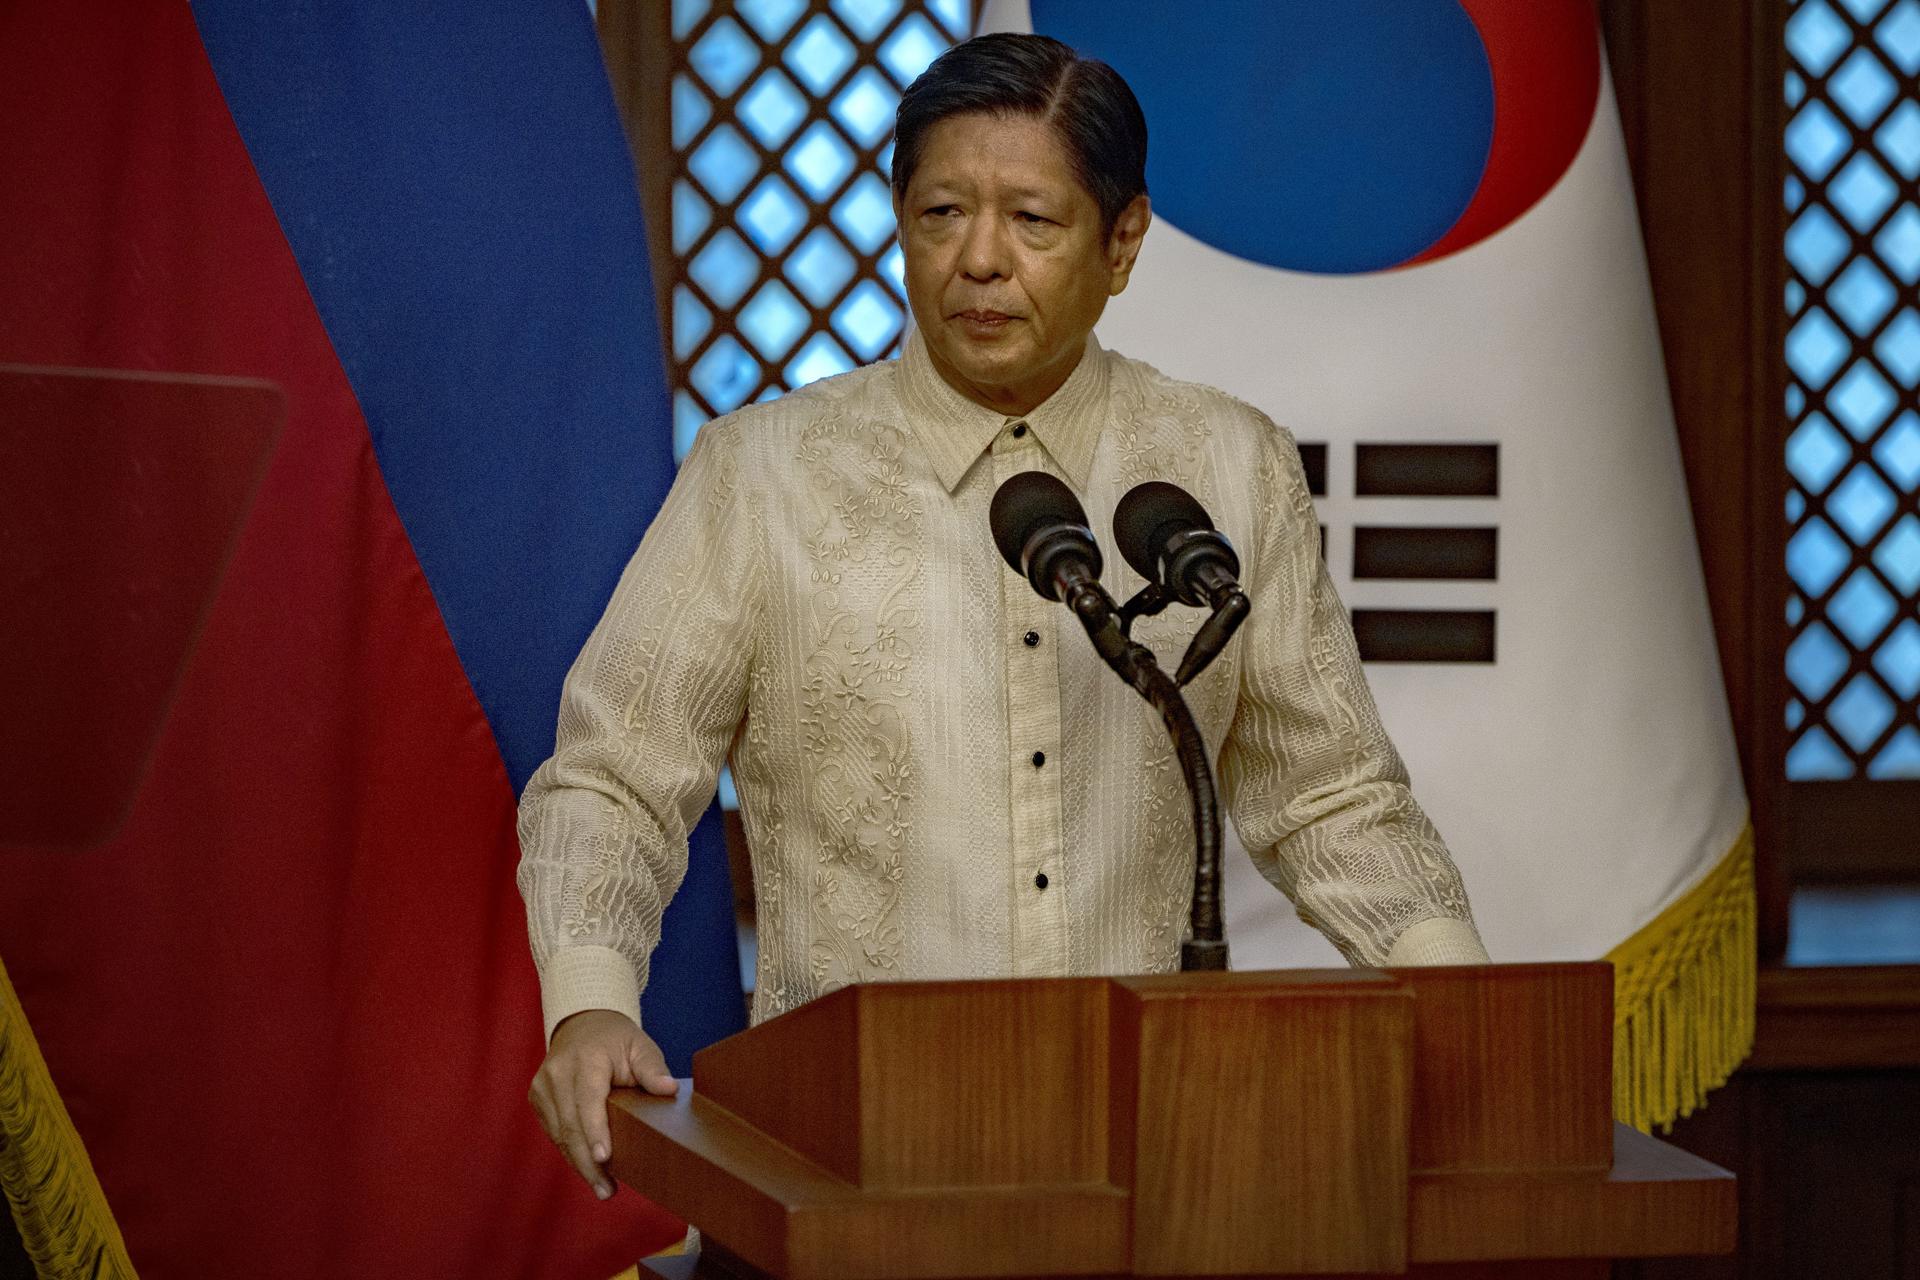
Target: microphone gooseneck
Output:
[(1042, 533)]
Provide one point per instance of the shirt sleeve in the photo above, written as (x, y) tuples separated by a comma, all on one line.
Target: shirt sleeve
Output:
[(1316, 790), (647, 714)]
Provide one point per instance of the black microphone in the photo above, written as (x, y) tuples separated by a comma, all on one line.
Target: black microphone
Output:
[(1041, 530), (1168, 538)]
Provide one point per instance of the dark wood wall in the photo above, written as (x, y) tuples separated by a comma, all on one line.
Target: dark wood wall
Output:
[(1823, 1123)]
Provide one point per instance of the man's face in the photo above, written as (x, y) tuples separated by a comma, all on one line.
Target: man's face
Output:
[(1006, 267)]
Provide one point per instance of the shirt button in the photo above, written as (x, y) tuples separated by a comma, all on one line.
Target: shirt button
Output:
[(1030, 639), (1019, 429), (1039, 758), (1040, 881)]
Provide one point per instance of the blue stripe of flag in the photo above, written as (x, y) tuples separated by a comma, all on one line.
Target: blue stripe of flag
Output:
[(456, 187)]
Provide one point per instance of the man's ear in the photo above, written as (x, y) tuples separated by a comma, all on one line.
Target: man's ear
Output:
[(1123, 246)]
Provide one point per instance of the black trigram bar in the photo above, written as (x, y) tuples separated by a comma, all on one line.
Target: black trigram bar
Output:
[(1426, 470), (1313, 459), (1424, 635), (1431, 553)]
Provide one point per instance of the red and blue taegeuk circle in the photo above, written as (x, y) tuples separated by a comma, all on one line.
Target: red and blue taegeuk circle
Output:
[(1349, 137)]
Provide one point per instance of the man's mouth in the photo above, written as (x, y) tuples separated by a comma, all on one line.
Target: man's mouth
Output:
[(987, 319)]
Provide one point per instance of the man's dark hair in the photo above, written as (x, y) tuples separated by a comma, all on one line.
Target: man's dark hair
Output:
[(1091, 109)]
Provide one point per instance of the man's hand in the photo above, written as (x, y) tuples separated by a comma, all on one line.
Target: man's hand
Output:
[(591, 1052)]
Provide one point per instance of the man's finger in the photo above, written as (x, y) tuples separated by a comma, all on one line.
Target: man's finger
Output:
[(650, 1069), (588, 1136)]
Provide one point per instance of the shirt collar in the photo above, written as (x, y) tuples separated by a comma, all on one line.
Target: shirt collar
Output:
[(955, 431)]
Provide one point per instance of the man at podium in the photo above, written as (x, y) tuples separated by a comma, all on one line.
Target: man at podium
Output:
[(938, 776)]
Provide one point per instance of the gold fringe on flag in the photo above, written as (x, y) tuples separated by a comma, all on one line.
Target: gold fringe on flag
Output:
[(1683, 993), (49, 1182)]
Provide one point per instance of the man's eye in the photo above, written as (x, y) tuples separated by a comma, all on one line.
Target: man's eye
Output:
[(1035, 218), (941, 211)]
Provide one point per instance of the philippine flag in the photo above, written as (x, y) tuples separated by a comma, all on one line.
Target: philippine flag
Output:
[(279, 1018), (1405, 229)]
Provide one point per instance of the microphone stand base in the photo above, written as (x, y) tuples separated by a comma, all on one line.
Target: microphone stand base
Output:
[(1198, 956)]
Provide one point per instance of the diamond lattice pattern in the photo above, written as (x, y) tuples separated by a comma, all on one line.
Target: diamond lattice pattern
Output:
[(1853, 392), (782, 127)]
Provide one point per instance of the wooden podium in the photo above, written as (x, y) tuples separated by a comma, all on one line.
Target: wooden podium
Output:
[(1433, 1122)]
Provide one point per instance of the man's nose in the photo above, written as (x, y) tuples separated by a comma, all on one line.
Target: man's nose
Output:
[(983, 253)]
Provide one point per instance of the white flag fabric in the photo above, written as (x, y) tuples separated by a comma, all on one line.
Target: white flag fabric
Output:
[(1581, 763)]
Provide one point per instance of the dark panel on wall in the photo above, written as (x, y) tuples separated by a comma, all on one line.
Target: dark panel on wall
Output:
[(1426, 470), (1424, 635), (1405, 551), (1313, 459)]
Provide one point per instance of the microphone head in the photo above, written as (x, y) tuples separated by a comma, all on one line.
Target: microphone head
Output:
[(1041, 529), (1025, 503), (1150, 515)]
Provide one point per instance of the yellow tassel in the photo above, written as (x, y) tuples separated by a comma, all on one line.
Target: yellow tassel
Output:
[(57, 1203), (1683, 993)]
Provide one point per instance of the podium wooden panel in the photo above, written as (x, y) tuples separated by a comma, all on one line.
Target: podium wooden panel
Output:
[(1326, 1123)]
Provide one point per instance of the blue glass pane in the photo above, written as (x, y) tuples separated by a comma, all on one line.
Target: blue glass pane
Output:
[(725, 269), (1860, 296), (1861, 609), (1899, 139), (726, 375), (1898, 659), (1900, 758), (1815, 759), (1863, 11), (913, 44), (1861, 713), (1862, 87), (1815, 662), (691, 322), (820, 161), (1815, 348), (1796, 400), (772, 215), (1816, 452), (820, 55), (1796, 194), (1899, 35), (1899, 244), (868, 321), (1898, 452), (865, 213), (690, 112), (1796, 713), (1796, 607), (1796, 297), (1861, 400), (1815, 557), (886, 160), (1796, 89), (1862, 191), (1816, 244), (685, 14), (1816, 140), (691, 215), (820, 267), (771, 18), (773, 109), (893, 269), (953, 15), (688, 418), (724, 163), (1898, 556), (865, 107), (1796, 505), (1899, 348), (774, 320), (866, 18), (820, 358), (1816, 36), (724, 57)]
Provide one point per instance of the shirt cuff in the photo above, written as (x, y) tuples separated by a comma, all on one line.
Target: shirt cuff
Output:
[(1437, 940), (576, 979)]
